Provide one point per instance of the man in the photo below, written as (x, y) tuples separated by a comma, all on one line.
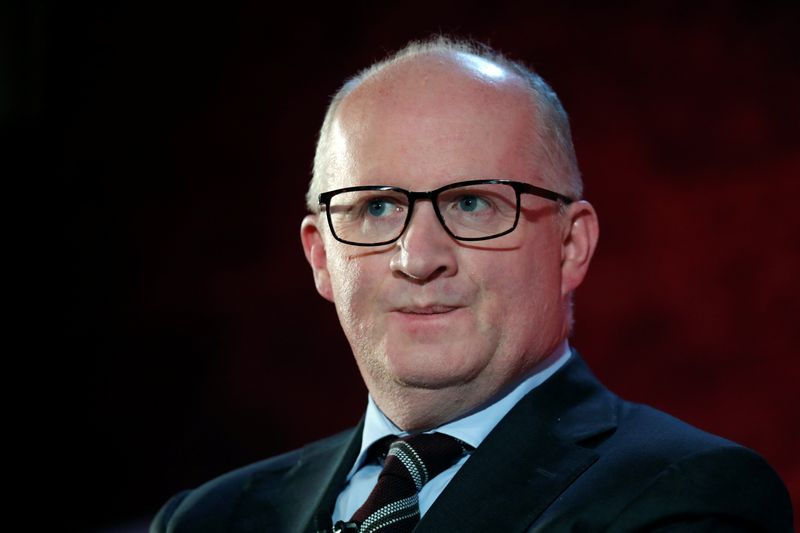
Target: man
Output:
[(447, 228)]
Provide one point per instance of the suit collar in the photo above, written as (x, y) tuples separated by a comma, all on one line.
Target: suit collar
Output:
[(532, 456), (303, 500), (318, 479)]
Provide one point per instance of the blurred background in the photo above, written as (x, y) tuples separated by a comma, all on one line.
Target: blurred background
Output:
[(167, 148)]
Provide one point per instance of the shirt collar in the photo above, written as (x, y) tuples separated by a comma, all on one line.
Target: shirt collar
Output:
[(474, 427)]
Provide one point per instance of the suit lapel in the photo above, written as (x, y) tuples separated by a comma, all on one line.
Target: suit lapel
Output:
[(316, 482), (530, 458), (305, 497)]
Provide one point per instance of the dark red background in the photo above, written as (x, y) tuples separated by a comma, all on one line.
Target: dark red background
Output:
[(177, 141)]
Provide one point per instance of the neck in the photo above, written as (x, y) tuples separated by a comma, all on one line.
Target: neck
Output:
[(415, 409)]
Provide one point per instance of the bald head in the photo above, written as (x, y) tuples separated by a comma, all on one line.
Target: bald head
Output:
[(437, 75), (445, 110)]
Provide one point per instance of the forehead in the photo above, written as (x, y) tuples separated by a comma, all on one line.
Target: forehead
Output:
[(429, 120)]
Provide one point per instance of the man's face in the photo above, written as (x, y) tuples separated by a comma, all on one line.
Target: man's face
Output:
[(429, 313)]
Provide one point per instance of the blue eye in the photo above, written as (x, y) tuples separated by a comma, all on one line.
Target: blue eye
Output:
[(380, 207), (471, 203)]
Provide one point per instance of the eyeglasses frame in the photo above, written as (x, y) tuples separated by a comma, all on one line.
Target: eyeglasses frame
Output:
[(518, 186)]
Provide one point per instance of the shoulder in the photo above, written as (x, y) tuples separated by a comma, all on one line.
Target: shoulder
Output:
[(650, 470), (728, 484), (645, 428), (670, 474), (210, 506)]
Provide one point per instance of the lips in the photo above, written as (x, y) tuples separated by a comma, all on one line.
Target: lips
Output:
[(435, 309)]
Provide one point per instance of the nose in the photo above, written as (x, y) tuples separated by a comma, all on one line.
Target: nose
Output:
[(425, 251)]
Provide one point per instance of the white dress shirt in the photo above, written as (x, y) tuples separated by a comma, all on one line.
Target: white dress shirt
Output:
[(471, 429)]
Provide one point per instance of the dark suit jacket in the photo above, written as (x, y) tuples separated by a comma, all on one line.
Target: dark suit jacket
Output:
[(570, 456)]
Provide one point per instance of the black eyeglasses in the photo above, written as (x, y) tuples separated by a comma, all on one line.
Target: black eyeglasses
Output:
[(476, 210)]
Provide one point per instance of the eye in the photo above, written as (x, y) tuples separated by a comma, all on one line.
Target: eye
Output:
[(471, 203), (380, 207)]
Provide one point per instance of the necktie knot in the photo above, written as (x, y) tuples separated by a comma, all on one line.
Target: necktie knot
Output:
[(393, 505), (422, 457)]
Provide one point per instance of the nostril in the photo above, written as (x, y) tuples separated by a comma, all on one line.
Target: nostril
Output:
[(422, 279)]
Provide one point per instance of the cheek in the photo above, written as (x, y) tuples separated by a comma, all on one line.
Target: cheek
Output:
[(344, 278), (354, 285), (522, 298)]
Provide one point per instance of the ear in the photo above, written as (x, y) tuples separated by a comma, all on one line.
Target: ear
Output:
[(314, 248), (579, 240)]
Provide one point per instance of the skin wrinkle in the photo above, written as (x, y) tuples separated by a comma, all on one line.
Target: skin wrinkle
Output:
[(419, 124)]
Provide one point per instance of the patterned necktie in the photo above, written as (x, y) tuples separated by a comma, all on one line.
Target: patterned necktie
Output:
[(393, 505)]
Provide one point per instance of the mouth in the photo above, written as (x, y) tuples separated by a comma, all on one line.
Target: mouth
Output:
[(436, 309)]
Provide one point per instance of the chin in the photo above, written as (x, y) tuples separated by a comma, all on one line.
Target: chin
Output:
[(427, 369), (427, 382)]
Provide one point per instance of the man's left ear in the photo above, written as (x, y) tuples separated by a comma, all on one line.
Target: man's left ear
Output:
[(314, 248), (579, 239)]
